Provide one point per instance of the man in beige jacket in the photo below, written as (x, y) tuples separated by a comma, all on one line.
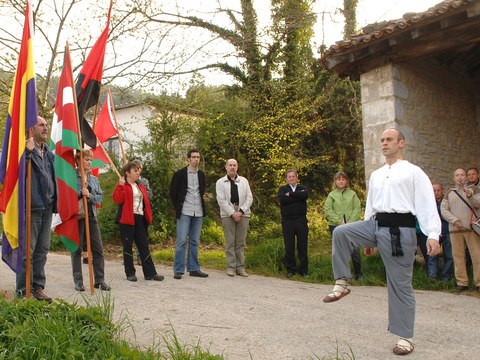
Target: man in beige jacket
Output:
[(457, 206), (234, 198)]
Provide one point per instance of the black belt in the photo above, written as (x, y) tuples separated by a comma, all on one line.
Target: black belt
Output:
[(395, 221)]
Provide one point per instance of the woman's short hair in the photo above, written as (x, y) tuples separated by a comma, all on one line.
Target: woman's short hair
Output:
[(85, 153), (129, 166), (341, 174)]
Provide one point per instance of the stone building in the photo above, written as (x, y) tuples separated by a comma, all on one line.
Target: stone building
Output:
[(420, 74)]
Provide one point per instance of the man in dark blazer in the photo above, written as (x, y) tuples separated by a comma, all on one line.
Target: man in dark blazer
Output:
[(293, 207), (186, 192)]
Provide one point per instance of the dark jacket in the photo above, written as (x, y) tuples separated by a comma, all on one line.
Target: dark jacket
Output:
[(123, 197), (178, 189), (43, 183), (294, 205)]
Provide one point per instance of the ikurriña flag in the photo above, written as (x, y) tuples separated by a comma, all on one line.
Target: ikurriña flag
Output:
[(89, 81), (64, 140), (22, 115)]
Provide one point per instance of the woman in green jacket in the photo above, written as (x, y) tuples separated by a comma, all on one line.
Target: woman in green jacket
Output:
[(343, 206)]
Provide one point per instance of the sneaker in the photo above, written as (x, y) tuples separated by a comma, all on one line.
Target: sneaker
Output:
[(132, 278), (403, 347), (461, 288), (102, 286), (79, 287), (177, 276), (40, 295), (198, 273), (341, 289), (155, 277), (230, 272), (242, 273)]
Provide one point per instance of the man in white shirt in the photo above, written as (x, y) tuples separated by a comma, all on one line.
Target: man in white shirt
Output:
[(399, 193)]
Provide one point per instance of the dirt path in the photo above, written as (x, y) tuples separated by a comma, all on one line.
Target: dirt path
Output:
[(266, 318)]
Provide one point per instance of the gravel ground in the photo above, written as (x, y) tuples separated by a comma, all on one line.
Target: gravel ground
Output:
[(266, 318)]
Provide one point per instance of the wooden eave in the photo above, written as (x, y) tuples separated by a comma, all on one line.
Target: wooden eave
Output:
[(451, 39)]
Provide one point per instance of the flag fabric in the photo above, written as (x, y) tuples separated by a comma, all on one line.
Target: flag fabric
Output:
[(64, 140), (99, 160), (88, 83), (22, 115), (104, 127)]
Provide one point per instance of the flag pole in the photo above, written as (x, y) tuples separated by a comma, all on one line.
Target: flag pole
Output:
[(109, 159), (84, 181), (118, 129), (28, 240)]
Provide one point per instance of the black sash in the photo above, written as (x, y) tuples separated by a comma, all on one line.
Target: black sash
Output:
[(395, 221)]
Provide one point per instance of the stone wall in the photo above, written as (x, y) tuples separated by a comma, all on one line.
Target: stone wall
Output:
[(437, 109)]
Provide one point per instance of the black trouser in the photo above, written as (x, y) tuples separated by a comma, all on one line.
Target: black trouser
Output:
[(356, 260), (139, 234), (296, 228), (98, 260)]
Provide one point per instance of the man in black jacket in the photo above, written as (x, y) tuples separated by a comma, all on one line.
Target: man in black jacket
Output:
[(293, 207), (186, 192), (44, 203)]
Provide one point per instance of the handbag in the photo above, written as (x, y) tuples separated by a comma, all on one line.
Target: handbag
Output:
[(81, 209), (474, 219)]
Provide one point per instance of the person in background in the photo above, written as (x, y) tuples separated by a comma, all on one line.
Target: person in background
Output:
[(94, 195), (445, 241), (472, 176), (186, 192), (43, 204), (134, 215), (293, 207), (146, 184), (235, 199), (457, 205), (342, 206), (398, 194)]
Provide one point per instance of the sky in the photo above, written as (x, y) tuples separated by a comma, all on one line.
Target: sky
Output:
[(329, 26), (369, 12), (328, 30)]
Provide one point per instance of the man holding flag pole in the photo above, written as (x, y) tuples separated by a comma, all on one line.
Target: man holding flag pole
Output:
[(28, 196)]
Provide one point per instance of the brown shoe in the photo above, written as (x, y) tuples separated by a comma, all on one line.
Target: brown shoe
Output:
[(40, 295), (341, 289), (403, 347)]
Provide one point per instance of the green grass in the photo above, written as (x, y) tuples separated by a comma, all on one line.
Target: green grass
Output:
[(31, 329), (266, 257)]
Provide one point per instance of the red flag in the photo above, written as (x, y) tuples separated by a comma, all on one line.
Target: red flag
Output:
[(89, 81), (104, 127), (21, 116), (65, 139)]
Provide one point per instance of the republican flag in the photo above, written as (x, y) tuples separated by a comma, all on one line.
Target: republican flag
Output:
[(65, 139), (88, 83), (22, 115)]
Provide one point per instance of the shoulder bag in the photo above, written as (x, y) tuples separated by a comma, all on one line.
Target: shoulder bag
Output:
[(474, 219)]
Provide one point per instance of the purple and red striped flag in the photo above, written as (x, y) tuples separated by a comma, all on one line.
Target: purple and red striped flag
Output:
[(22, 115)]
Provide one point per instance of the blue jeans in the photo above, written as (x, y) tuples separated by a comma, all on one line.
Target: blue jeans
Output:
[(447, 259), (41, 221), (190, 226)]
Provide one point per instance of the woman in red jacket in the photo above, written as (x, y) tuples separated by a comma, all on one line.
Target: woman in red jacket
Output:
[(134, 215)]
